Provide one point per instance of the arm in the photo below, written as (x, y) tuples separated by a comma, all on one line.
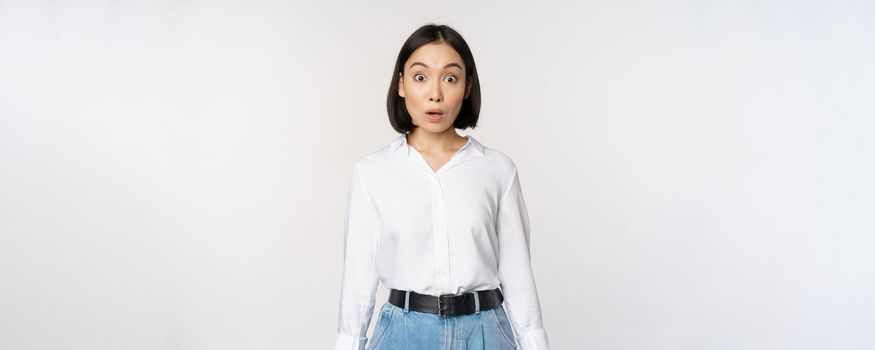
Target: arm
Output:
[(515, 271), (360, 279)]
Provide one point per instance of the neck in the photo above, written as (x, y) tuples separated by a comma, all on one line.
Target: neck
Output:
[(427, 142)]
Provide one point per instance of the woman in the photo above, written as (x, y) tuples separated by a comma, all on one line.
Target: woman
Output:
[(438, 218)]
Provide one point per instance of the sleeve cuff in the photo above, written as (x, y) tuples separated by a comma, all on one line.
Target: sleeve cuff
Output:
[(345, 342), (535, 339)]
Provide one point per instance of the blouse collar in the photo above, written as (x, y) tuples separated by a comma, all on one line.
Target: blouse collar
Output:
[(399, 145)]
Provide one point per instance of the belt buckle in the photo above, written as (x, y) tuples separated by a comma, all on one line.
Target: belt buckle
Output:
[(440, 306)]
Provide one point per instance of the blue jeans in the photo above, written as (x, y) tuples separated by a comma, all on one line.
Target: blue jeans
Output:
[(397, 329)]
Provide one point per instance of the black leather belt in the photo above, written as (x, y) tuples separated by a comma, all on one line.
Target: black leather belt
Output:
[(448, 304)]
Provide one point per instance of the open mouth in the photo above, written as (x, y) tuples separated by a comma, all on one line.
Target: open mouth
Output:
[(434, 117)]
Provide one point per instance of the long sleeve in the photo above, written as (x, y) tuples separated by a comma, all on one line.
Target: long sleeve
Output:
[(360, 279), (515, 271)]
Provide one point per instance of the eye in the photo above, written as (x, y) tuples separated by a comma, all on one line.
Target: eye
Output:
[(416, 77), (451, 78)]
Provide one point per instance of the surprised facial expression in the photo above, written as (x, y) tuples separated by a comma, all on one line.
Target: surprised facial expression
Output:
[(434, 85)]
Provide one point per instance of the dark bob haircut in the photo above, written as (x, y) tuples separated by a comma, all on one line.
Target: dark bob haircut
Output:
[(470, 111)]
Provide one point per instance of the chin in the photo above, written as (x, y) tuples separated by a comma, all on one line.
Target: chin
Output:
[(434, 128)]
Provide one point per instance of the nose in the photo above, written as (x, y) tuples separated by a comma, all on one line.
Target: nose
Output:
[(436, 94)]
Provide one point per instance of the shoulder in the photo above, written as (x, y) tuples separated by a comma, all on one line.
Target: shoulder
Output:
[(503, 168), (500, 161), (377, 157)]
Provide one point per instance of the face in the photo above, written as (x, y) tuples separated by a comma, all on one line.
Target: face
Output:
[(433, 86)]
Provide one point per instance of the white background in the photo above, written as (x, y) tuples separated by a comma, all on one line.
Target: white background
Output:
[(698, 174)]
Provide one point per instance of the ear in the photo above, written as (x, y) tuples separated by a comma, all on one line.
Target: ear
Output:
[(468, 88), (401, 85)]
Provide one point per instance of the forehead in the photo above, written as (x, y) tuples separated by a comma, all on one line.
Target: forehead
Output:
[(436, 55)]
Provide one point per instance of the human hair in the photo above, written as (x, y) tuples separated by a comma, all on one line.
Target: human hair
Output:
[(430, 33)]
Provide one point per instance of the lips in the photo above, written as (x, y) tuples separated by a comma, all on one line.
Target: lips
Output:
[(434, 115)]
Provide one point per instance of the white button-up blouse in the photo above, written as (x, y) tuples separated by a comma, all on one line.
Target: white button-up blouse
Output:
[(461, 228)]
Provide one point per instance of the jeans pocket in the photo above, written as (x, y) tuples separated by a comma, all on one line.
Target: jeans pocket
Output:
[(382, 326), (503, 324)]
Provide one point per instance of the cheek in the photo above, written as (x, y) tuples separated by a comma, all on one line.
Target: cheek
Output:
[(412, 101), (456, 95), (410, 94), (415, 94)]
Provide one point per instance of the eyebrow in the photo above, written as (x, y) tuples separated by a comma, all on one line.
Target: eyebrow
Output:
[(426, 66)]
